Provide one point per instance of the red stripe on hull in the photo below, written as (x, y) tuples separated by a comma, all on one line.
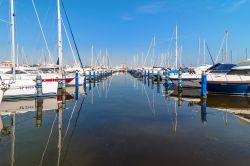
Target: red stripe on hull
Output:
[(68, 80)]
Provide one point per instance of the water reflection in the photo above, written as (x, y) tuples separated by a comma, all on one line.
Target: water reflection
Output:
[(240, 107), (120, 119)]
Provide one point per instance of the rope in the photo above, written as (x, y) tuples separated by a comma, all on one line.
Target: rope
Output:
[(41, 28), (72, 35), (69, 42), (73, 131), (209, 53), (220, 49), (51, 130), (69, 123)]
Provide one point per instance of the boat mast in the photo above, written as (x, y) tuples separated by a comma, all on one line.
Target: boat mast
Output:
[(153, 62), (92, 55), (13, 132), (59, 36), (59, 145), (13, 51), (199, 52), (204, 54), (176, 46), (226, 51), (180, 55), (106, 58), (17, 55)]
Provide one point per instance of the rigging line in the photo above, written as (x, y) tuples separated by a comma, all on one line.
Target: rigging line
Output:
[(110, 82), (41, 28), (47, 12), (149, 49), (72, 35), (209, 53), (149, 103), (97, 88), (67, 129), (51, 131), (73, 131), (223, 41), (171, 42), (67, 36), (97, 58), (4, 21)]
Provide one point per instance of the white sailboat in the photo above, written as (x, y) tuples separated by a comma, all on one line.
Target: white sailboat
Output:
[(13, 87), (191, 79)]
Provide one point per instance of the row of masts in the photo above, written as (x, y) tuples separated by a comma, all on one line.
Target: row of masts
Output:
[(13, 49), (178, 51), (178, 54), (101, 60)]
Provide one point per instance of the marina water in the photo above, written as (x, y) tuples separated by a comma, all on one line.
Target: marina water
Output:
[(126, 121)]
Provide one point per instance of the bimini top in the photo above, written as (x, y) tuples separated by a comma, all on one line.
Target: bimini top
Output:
[(220, 68)]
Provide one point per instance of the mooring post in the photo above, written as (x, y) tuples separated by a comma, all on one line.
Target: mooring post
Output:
[(39, 86), (64, 80), (166, 80), (204, 85), (90, 76), (203, 111), (101, 75), (85, 84), (39, 111), (158, 86), (76, 92), (180, 99), (180, 81), (94, 76), (76, 78), (158, 75), (98, 76)]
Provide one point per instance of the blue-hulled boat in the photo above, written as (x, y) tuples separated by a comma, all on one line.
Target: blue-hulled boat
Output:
[(234, 82)]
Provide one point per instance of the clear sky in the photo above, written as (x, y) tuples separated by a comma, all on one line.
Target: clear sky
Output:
[(126, 27)]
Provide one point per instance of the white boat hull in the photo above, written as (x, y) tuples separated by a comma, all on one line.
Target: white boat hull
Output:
[(73, 82), (187, 83), (23, 106), (188, 80), (27, 88)]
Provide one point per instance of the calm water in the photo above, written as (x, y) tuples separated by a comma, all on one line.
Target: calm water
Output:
[(125, 121)]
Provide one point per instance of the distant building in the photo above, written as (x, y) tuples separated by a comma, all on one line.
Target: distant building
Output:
[(6, 64)]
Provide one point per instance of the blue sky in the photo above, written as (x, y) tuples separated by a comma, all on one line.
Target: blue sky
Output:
[(126, 27)]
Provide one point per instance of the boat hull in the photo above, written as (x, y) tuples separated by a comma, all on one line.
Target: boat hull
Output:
[(27, 89), (187, 83), (73, 82), (229, 88)]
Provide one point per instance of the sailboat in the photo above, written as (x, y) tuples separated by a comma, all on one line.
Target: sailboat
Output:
[(191, 78), (13, 87)]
